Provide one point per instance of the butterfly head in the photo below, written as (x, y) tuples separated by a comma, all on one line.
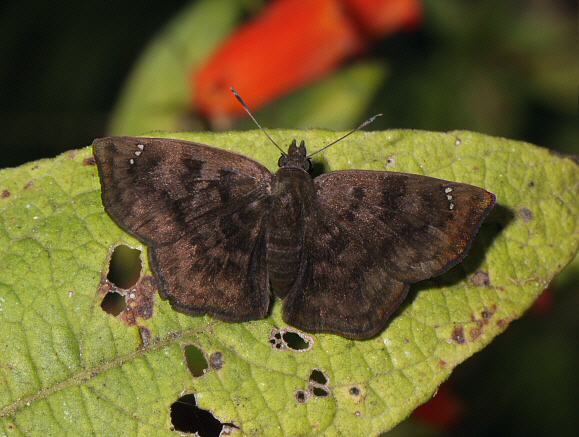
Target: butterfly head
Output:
[(295, 157)]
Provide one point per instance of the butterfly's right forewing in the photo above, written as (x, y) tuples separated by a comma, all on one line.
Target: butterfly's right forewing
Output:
[(369, 235)]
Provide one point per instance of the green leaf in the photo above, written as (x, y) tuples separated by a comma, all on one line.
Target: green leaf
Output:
[(68, 367)]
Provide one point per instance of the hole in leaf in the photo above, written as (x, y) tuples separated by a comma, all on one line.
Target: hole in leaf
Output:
[(301, 396), (287, 339), (319, 392), (295, 341), (354, 391), (318, 376), (187, 417), (125, 266), (113, 303), (196, 362)]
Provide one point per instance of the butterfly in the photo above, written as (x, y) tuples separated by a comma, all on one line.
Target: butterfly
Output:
[(339, 249)]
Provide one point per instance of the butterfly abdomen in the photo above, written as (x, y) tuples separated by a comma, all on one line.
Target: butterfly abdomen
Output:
[(292, 190)]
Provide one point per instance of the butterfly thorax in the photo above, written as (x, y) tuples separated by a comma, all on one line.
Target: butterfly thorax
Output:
[(292, 192)]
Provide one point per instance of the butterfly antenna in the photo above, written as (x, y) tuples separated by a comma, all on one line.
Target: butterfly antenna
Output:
[(254, 120), (366, 123)]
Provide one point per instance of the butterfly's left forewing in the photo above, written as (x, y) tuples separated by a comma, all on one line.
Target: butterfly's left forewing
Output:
[(200, 211)]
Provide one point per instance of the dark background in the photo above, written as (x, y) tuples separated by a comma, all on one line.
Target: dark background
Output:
[(63, 64)]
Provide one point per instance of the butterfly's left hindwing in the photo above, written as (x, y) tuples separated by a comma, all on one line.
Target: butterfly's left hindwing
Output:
[(200, 211)]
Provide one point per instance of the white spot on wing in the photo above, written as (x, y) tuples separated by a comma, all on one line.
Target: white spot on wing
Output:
[(131, 161)]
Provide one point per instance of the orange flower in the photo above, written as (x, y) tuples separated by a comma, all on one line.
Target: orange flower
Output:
[(293, 42), (381, 17)]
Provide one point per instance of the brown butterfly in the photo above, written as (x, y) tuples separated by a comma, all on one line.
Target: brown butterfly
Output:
[(339, 249)]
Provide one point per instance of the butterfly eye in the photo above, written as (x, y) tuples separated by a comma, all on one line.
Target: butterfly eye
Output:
[(282, 162), (307, 166)]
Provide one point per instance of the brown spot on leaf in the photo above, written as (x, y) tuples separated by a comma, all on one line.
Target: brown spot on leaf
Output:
[(525, 215), (27, 185), (215, 361), (357, 414), (531, 184), (442, 364), (289, 339), (479, 323), (5, 194), (475, 333), (487, 313), (480, 279), (390, 162), (89, 161), (458, 335), (145, 336), (139, 299), (356, 394)]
